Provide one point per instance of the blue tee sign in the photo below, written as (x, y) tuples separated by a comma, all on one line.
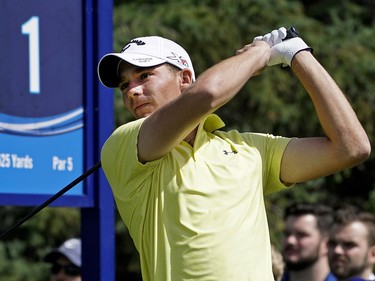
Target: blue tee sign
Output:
[(54, 117), (41, 96)]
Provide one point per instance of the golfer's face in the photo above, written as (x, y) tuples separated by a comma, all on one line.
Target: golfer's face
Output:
[(145, 90)]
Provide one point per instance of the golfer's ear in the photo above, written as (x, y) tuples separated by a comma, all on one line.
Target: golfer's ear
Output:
[(186, 78)]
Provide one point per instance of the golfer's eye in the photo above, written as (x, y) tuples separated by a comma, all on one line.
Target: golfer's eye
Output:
[(124, 86), (144, 75)]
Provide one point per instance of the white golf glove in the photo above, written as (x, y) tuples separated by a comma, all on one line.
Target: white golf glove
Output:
[(282, 52)]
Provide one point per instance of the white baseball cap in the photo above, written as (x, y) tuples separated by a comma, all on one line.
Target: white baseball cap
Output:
[(71, 249), (143, 52)]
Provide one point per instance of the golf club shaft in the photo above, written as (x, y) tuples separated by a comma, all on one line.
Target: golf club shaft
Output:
[(52, 198)]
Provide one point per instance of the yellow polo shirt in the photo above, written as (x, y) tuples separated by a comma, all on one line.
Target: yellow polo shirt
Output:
[(198, 212)]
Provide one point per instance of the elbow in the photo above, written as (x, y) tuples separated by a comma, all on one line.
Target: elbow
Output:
[(208, 95), (365, 150), (361, 152)]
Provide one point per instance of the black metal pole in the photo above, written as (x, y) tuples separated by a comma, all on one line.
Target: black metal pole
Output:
[(52, 198)]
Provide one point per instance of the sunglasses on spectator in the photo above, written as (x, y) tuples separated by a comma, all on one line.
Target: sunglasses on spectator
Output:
[(69, 269)]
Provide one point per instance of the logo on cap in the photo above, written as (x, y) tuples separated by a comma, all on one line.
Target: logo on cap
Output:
[(133, 41), (178, 59)]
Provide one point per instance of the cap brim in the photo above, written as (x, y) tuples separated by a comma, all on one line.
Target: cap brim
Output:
[(108, 66), (55, 254)]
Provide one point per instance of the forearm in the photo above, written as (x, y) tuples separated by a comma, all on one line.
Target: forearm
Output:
[(213, 88), (335, 114), (222, 82)]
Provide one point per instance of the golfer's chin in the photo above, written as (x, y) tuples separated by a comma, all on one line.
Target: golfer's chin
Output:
[(143, 112), (144, 115)]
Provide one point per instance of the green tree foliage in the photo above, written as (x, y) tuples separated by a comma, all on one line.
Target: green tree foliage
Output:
[(342, 35), (22, 252)]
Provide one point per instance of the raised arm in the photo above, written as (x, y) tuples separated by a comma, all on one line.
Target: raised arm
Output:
[(169, 125), (346, 143)]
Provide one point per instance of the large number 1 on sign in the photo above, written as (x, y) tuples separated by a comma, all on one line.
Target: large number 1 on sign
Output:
[(31, 28)]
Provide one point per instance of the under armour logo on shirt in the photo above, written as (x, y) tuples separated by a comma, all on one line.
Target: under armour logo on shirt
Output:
[(229, 152)]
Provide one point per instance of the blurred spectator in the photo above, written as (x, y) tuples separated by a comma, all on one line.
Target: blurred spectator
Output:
[(277, 263), (351, 250), (66, 261), (304, 246)]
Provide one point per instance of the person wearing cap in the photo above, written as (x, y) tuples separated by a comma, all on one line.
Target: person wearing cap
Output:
[(191, 193), (66, 261)]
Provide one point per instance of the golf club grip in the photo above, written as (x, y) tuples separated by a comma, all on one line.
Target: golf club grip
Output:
[(291, 32)]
